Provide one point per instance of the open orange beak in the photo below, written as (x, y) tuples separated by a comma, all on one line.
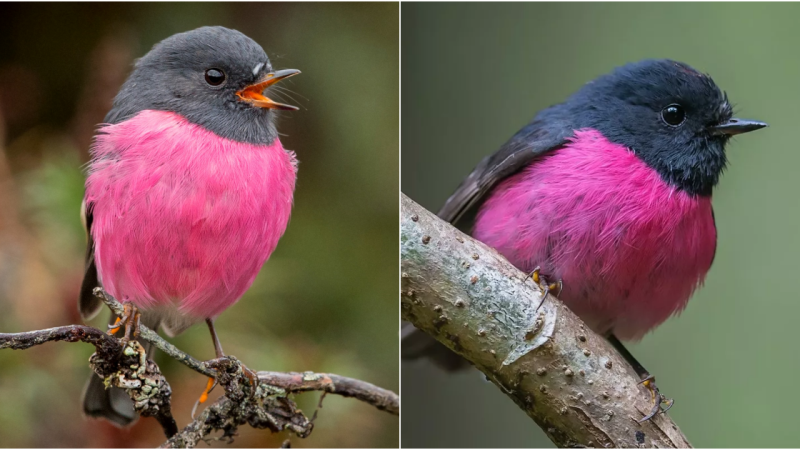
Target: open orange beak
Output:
[(253, 94)]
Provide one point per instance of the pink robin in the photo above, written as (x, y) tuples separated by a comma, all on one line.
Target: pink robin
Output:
[(188, 191), (609, 192)]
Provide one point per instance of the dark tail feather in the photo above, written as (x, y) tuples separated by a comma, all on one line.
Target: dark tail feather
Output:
[(416, 344), (114, 404)]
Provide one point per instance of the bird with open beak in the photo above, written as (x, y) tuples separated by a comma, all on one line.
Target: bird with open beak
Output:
[(188, 190)]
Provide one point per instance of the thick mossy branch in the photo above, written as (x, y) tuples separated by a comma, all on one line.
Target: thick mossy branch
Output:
[(569, 380), (124, 364), (267, 408)]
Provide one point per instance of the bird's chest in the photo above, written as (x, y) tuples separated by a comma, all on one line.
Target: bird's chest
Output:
[(180, 212), (622, 240), (158, 167)]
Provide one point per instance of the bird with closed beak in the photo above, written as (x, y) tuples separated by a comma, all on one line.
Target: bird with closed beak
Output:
[(606, 198)]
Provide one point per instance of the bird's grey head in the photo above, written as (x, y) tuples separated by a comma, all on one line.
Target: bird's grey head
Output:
[(212, 76)]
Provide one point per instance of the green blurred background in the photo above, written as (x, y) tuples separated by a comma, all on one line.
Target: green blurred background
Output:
[(473, 74), (324, 301)]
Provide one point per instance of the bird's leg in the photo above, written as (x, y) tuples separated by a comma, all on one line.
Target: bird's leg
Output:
[(112, 329), (544, 284), (251, 376), (215, 338), (649, 381), (218, 350)]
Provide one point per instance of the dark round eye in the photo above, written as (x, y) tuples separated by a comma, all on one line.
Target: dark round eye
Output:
[(673, 115), (215, 77)]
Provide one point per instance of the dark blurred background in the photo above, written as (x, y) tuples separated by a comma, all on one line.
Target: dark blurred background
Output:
[(474, 74), (325, 301)]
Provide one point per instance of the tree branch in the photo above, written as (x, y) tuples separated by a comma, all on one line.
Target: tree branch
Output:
[(124, 364), (151, 336), (269, 407), (121, 364), (569, 380), (334, 384)]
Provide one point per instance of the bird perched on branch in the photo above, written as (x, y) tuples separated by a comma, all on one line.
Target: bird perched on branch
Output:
[(188, 190), (609, 193)]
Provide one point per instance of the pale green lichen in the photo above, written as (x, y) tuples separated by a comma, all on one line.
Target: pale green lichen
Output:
[(128, 384), (311, 376)]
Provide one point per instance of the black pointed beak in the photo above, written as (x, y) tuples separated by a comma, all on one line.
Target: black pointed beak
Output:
[(736, 126)]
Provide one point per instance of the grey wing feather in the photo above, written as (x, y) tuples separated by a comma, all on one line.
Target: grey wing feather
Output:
[(534, 140), (544, 134), (88, 304)]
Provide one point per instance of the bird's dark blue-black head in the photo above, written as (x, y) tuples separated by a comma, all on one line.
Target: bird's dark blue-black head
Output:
[(673, 117), (212, 76)]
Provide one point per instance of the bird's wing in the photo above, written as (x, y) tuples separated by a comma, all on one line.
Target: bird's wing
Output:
[(538, 137), (88, 304), (547, 132)]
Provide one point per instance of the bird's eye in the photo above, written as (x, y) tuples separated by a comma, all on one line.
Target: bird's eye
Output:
[(673, 115), (215, 77)]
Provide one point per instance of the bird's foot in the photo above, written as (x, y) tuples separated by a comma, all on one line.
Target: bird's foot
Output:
[(131, 319), (252, 378), (204, 396), (544, 284), (209, 387), (661, 403)]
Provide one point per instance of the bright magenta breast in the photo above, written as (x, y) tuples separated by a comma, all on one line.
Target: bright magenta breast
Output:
[(182, 215), (630, 248)]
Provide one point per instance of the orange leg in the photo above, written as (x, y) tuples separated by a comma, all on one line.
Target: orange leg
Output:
[(209, 386), (114, 328), (251, 375)]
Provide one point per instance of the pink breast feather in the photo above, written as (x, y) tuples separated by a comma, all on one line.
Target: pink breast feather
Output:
[(630, 248), (183, 216)]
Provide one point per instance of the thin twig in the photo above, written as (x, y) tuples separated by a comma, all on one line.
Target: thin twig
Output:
[(112, 361), (69, 333), (382, 399), (269, 407), (292, 381)]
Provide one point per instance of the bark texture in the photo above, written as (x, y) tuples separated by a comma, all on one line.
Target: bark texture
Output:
[(124, 364), (568, 379)]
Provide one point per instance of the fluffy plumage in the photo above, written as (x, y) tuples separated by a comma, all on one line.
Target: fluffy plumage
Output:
[(609, 194), (183, 216), (189, 190), (629, 248)]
